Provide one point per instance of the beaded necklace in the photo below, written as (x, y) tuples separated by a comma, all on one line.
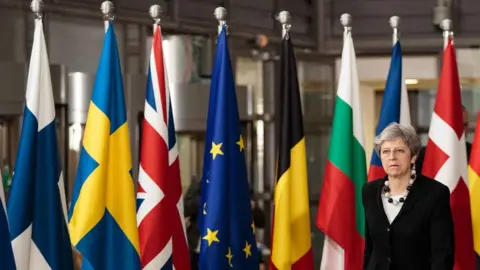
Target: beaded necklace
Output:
[(388, 194)]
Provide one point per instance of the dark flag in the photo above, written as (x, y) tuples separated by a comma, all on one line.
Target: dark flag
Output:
[(291, 243), (225, 223)]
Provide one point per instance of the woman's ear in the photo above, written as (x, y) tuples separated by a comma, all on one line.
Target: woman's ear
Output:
[(414, 158)]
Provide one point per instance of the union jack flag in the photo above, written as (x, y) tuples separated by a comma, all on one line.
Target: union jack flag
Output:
[(160, 219)]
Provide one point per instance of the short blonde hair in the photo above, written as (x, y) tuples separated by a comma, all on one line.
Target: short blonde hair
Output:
[(397, 131)]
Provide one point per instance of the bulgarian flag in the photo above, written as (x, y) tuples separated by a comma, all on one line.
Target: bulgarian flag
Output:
[(340, 214)]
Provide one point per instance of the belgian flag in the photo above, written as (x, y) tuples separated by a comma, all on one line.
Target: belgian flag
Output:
[(291, 243)]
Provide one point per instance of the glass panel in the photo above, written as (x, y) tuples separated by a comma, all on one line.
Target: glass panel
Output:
[(422, 113), (187, 154), (316, 82), (317, 154), (424, 109), (317, 237), (422, 103), (9, 138), (75, 137)]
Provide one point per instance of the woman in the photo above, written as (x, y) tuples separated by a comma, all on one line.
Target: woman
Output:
[(408, 218)]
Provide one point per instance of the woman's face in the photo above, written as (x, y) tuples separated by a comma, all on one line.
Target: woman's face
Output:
[(396, 157)]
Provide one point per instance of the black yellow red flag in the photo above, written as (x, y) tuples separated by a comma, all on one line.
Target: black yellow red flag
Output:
[(291, 243)]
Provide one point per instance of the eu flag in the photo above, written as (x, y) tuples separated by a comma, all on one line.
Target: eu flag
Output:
[(226, 225)]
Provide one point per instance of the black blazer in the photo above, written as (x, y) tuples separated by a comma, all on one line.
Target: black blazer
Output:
[(420, 237)]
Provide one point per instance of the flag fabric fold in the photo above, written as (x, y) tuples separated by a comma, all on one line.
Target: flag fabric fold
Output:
[(340, 213), (291, 240), (446, 156), (474, 189), (102, 217), (36, 205), (160, 218), (395, 107), (225, 224)]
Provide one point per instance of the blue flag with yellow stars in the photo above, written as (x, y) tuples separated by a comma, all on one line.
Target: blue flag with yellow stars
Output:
[(226, 224)]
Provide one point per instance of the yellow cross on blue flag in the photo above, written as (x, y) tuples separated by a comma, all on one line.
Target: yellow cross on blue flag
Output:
[(102, 217), (225, 223)]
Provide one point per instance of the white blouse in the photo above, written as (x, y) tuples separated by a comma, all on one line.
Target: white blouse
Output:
[(391, 210)]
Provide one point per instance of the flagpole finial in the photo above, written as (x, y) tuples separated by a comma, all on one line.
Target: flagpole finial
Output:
[(395, 23), (346, 21), (447, 27), (107, 11), (155, 12), (37, 8), (285, 19), (221, 16)]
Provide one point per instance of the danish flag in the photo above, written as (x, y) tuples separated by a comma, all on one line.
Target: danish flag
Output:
[(446, 157), (160, 220)]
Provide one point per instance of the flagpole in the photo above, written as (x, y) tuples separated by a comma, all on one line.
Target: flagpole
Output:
[(37, 8), (221, 16), (395, 23), (107, 11), (346, 21), (155, 12), (447, 27), (285, 19)]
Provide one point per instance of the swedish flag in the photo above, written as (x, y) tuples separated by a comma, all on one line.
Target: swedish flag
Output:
[(102, 218), (226, 227)]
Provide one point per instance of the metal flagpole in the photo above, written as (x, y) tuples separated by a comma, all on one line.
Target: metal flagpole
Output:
[(447, 27), (285, 19), (155, 12), (346, 21), (395, 23), (108, 13), (221, 16), (37, 9)]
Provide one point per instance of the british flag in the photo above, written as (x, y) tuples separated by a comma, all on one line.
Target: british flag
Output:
[(160, 220)]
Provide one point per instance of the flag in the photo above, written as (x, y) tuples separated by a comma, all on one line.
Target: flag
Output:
[(291, 240), (474, 188), (160, 219), (446, 156), (102, 217), (340, 213), (226, 224), (37, 211), (6, 253), (395, 107)]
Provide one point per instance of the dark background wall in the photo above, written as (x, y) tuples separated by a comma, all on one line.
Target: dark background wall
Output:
[(316, 23)]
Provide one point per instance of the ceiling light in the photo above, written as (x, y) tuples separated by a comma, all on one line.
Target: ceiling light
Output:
[(411, 81)]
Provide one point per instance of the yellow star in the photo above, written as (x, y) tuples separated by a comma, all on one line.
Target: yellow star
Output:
[(240, 143), (205, 208), (247, 250), (229, 257), (253, 227), (216, 150), (211, 237)]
